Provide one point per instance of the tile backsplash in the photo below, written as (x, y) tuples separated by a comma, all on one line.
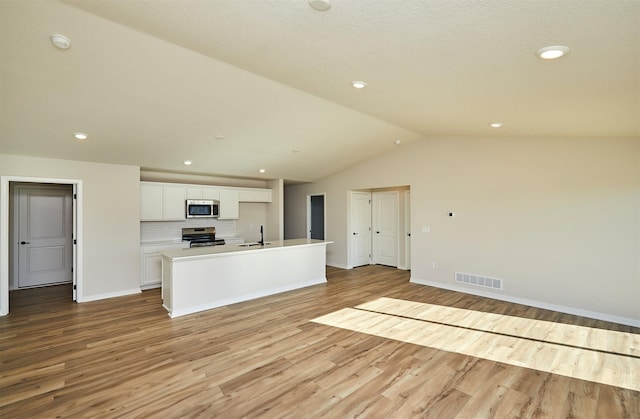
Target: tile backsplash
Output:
[(171, 230)]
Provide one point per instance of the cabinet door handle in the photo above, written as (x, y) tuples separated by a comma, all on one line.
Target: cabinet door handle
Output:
[(355, 234), (25, 243)]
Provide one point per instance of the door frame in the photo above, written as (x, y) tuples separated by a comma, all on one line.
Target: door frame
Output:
[(15, 272), (324, 213), (4, 234)]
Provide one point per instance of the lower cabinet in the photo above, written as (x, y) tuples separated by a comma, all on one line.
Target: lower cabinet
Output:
[(152, 268), (151, 263)]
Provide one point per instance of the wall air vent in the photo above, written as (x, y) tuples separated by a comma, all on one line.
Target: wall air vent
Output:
[(479, 281)]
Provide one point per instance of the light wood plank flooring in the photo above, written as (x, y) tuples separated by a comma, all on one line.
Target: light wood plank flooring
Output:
[(124, 357)]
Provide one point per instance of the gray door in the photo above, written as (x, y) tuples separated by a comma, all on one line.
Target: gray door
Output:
[(317, 217), (45, 234)]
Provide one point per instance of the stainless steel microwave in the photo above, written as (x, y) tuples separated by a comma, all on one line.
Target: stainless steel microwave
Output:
[(199, 208)]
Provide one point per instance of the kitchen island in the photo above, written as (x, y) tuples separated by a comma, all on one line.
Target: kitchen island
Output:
[(203, 278)]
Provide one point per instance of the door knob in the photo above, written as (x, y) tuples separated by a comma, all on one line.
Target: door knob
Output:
[(25, 242), (355, 234), (377, 232)]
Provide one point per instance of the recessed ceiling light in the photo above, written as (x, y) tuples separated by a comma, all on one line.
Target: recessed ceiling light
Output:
[(262, 170), (320, 5), (60, 41), (359, 84), (552, 52), (219, 137), (496, 124), (396, 142), (80, 136), (187, 162)]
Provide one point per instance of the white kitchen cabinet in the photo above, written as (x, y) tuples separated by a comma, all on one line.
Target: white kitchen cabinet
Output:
[(229, 204), (263, 195), (166, 201), (245, 195), (152, 271), (151, 263), (203, 192), (211, 193), (151, 206), (162, 202), (174, 202), (255, 195), (194, 192)]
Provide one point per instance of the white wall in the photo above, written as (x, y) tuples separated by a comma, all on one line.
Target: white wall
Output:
[(111, 219), (275, 211), (252, 216), (557, 219)]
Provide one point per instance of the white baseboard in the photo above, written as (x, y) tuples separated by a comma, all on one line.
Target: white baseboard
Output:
[(533, 303), (336, 265), (86, 299)]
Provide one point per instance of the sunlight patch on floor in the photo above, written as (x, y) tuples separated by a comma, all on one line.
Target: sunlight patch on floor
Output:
[(585, 353)]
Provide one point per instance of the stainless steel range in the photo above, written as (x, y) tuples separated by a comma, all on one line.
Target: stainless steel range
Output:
[(201, 236)]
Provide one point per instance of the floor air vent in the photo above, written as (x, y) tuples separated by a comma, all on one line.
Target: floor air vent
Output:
[(480, 281)]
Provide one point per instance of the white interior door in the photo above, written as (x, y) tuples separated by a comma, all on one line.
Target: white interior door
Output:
[(45, 235), (360, 228), (385, 228)]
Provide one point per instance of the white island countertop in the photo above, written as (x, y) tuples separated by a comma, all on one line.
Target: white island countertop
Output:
[(177, 255)]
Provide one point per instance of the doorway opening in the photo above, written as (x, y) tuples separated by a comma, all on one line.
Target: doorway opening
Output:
[(316, 217), (40, 244)]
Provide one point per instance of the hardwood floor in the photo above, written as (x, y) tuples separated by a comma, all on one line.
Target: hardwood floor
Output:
[(124, 357)]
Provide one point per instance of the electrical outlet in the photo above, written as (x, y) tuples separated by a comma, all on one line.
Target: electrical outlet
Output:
[(433, 265), (426, 229)]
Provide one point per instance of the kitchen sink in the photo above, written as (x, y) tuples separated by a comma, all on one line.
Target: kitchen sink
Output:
[(253, 244)]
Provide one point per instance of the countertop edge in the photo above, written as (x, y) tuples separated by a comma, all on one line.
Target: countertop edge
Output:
[(171, 254)]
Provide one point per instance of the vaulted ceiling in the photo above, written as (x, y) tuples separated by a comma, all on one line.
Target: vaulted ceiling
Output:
[(235, 86)]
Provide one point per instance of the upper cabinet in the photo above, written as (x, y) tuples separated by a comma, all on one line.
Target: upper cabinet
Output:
[(230, 199), (166, 201), (162, 202), (174, 202), (255, 195), (203, 192), (229, 204), (151, 205)]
